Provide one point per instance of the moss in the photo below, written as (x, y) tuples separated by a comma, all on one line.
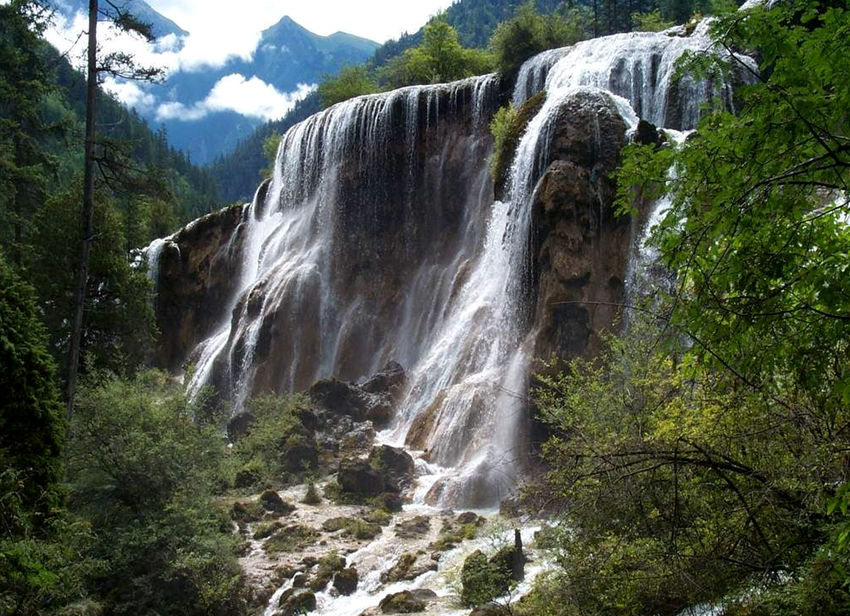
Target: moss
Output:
[(328, 566), (266, 529), (242, 512), (482, 580), (400, 569), (507, 128), (290, 539), (378, 516)]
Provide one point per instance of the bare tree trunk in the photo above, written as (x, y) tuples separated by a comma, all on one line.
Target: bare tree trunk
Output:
[(87, 214)]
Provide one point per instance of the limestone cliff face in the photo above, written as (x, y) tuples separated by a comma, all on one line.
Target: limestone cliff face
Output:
[(581, 248), (198, 270), (393, 220)]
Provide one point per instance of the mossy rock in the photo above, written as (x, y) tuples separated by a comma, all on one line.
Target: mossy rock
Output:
[(482, 580), (272, 501), (345, 581), (290, 539), (328, 566), (378, 516), (331, 525), (296, 603), (507, 127), (245, 512), (404, 602), (362, 530), (266, 529), (411, 529), (400, 570)]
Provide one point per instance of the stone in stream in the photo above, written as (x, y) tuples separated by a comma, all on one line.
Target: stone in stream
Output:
[(292, 603), (411, 529), (407, 601), (345, 581)]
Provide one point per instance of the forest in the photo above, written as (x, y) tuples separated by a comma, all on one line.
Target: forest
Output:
[(700, 460)]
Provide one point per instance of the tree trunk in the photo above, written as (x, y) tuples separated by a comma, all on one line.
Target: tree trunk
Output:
[(87, 213)]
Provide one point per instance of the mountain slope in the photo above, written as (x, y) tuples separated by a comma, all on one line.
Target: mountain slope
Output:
[(287, 61), (160, 25)]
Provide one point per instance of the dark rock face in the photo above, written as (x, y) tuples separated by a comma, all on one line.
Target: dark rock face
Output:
[(373, 400), (581, 248), (359, 478), (388, 470), (345, 581), (239, 425), (199, 271), (395, 465)]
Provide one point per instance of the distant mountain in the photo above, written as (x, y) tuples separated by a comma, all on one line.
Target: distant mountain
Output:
[(160, 25), (288, 57), (207, 110)]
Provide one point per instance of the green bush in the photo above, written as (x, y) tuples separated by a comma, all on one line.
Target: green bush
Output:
[(528, 33), (507, 127), (439, 59), (351, 81), (482, 580), (142, 471)]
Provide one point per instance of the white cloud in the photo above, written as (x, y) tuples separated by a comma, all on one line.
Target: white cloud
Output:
[(130, 94), (250, 97)]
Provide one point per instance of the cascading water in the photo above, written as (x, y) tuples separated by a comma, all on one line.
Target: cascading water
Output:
[(378, 239)]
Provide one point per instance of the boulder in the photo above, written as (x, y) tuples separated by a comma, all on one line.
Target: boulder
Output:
[(395, 464), (300, 453), (404, 602), (357, 477), (411, 529), (271, 501), (296, 603), (345, 581), (388, 501), (239, 425)]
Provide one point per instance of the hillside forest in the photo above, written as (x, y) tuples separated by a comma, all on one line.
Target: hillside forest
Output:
[(701, 459)]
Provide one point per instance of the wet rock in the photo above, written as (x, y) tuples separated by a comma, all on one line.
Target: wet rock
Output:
[(374, 400), (345, 581), (582, 248), (357, 477), (411, 529), (198, 273), (300, 580), (359, 438), (239, 425), (297, 603), (400, 570), (403, 602), (490, 609), (470, 517), (408, 567), (246, 512), (339, 398), (395, 464), (261, 531), (390, 380), (300, 453), (271, 501), (328, 566)]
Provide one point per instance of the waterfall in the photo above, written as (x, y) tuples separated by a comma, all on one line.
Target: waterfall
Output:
[(640, 67), (378, 239)]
